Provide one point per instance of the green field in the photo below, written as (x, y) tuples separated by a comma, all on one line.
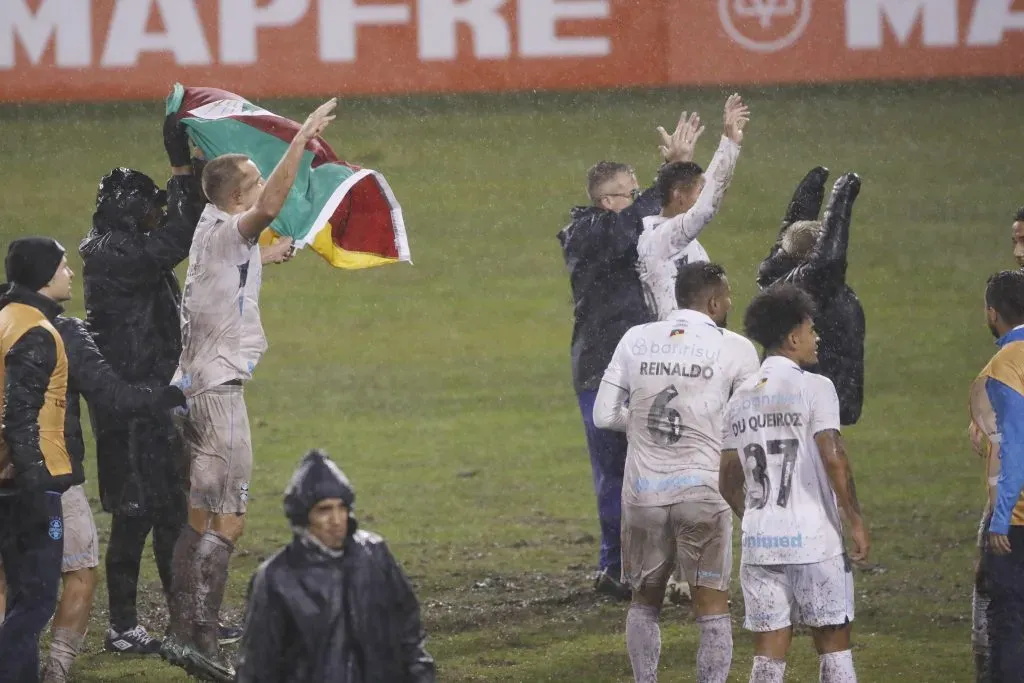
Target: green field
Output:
[(443, 388)]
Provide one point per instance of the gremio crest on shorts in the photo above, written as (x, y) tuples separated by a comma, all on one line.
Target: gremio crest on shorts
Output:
[(56, 528)]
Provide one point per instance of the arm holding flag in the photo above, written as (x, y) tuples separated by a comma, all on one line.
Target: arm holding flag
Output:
[(275, 192)]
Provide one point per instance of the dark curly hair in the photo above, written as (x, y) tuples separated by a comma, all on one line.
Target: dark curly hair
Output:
[(775, 312)]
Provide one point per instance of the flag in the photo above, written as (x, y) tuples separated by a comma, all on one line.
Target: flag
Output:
[(345, 213)]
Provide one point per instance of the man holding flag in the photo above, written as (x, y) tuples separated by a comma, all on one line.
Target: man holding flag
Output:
[(222, 341)]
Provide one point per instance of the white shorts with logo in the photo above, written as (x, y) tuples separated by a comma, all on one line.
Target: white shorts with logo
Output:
[(780, 595), (695, 535), (219, 445), (81, 542)]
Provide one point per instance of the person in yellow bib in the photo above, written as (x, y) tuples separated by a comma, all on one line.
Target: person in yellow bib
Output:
[(35, 467), (997, 410)]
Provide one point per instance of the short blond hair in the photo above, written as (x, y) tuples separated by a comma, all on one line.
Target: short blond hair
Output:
[(801, 237), (222, 176)]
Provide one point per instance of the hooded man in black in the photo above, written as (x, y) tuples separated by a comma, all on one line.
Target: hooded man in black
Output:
[(131, 299), (333, 606), (812, 255)]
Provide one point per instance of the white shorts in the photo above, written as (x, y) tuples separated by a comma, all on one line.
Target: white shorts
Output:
[(815, 595), (81, 542)]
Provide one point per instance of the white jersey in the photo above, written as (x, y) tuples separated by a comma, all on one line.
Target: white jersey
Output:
[(677, 376), (221, 334), (667, 243), (791, 516)]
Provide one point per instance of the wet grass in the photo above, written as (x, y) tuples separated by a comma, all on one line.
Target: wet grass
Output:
[(443, 388)]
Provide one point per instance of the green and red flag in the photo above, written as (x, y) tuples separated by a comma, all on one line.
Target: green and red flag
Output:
[(347, 214)]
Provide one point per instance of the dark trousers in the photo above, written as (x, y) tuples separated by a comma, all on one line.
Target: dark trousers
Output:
[(124, 557), (607, 462), (32, 546), (1005, 575)]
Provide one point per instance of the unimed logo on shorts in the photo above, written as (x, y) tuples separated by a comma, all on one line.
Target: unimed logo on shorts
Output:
[(764, 541)]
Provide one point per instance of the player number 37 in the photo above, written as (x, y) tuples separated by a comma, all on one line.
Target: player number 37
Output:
[(787, 448)]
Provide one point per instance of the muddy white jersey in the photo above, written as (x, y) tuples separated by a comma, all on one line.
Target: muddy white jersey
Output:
[(667, 386), (791, 515), (668, 243), (222, 337)]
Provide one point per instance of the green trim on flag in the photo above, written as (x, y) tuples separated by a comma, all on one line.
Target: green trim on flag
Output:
[(175, 98)]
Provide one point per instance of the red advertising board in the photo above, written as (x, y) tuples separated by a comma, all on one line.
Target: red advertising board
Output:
[(134, 49)]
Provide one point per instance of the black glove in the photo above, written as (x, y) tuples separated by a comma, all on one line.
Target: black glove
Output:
[(176, 142), (168, 398), (33, 479)]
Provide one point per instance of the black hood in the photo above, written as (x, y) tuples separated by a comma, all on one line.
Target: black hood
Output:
[(124, 200), (316, 478)]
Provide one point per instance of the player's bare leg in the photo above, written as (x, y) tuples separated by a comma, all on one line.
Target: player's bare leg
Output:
[(714, 654), (70, 623), (643, 632), (770, 648)]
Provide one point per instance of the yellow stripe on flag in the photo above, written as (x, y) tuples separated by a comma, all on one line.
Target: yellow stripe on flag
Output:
[(341, 258)]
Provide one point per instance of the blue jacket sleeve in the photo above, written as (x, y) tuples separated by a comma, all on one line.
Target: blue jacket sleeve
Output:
[(1009, 408)]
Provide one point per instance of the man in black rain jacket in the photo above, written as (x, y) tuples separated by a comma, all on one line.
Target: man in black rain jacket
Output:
[(91, 377), (132, 299), (333, 606), (599, 249), (812, 255)]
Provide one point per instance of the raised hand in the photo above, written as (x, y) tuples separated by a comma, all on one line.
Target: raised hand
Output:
[(737, 114), (318, 120), (680, 144)]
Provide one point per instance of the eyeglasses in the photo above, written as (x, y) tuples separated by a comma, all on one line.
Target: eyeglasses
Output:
[(634, 194)]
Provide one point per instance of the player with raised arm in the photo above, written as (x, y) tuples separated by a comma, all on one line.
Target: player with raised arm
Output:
[(782, 440), (667, 387), (222, 341), (690, 199)]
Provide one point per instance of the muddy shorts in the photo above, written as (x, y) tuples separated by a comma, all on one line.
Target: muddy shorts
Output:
[(696, 535), (219, 446), (81, 542), (780, 595)]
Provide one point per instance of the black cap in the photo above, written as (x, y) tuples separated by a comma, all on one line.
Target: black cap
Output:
[(316, 479), (123, 185), (32, 261)]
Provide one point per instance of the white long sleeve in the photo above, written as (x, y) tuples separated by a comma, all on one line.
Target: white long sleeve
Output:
[(610, 411), (665, 243)]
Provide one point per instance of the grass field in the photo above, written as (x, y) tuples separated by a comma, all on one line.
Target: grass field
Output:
[(443, 388)]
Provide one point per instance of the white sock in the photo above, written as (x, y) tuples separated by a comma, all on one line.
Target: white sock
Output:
[(837, 667), (643, 642), (714, 655), (767, 670), (64, 647)]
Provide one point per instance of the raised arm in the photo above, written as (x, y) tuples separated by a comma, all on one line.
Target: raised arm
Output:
[(840, 476), (676, 233), (610, 409), (731, 481), (804, 206), (274, 193)]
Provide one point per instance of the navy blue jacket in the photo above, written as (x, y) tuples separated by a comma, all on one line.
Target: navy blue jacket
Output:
[(599, 248)]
